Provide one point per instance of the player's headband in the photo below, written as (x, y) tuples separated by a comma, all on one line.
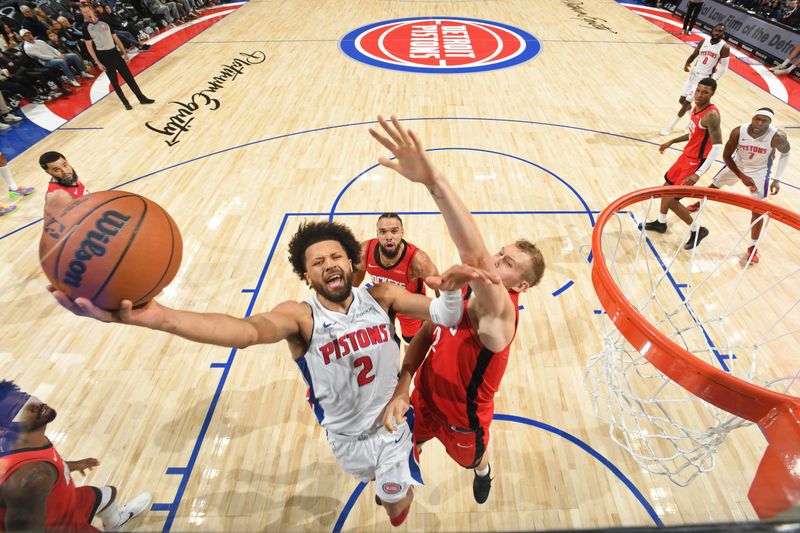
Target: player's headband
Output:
[(11, 403), (765, 113)]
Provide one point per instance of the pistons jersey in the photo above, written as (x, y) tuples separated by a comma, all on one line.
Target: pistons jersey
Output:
[(351, 364), (755, 153), (708, 58)]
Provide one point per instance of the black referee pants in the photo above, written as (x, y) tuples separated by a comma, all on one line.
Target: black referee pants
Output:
[(112, 60)]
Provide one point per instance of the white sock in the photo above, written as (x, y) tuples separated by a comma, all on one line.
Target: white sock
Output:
[(784, 64), (12, 185), (662, 217), (754, 243), (694, 225), (790, 68), (674, 122), (484, 471)]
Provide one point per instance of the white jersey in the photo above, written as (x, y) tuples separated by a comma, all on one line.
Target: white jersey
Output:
[(708, 58), (754, 154), (351, 364)]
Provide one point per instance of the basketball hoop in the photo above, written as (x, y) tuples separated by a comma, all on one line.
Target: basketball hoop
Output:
[(688, 316)]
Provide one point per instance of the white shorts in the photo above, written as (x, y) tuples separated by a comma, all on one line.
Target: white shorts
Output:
[(387, 458), (690, 85), (761, 178)]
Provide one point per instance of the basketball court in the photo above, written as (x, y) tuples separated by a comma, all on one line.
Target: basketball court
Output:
[(224, 439)]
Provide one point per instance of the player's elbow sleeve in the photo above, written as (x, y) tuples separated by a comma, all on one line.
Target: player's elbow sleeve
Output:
[(447, 309)]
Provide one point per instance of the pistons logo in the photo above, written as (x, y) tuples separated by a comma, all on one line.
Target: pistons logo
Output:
[(440, 45), (391, 488)]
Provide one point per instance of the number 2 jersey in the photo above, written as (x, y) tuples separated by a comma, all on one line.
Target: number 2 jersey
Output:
[(351, 364)]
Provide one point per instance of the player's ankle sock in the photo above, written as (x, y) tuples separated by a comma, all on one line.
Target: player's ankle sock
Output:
[(673, 123), (483, 472), (694, 226), (12, 185), (754, 243), (790, 68), (784, 64), (662, 217), (399, 519)]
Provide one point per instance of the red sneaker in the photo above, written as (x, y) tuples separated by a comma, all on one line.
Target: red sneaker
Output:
[(754, 259), (399, 519), (694, 207)]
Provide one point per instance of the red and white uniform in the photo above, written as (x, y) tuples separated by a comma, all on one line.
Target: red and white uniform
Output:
[(695, 151), (398, 273), (453, 398), (76, 191), (69, 508)]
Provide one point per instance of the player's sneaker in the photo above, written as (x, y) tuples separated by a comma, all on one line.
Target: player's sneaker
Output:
[(7, 210), (665, 132), (754, 253), (132, 509), (378, 501), (695, 237), (693, 207), (655, 225), (19, 192), (481, 486), (399, 519)]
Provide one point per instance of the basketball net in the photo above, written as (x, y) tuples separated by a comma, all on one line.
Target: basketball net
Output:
[(699, 319)]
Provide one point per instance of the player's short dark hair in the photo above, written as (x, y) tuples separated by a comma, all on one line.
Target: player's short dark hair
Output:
[(6, 388), (313, 232), (49, 157), (391, 215), (709, 82)]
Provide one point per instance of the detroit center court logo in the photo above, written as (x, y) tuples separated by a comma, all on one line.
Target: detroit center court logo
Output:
[(441, 45)]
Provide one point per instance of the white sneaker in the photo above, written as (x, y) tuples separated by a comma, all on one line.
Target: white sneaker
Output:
[(132, 509), (12, 118), (666, 131), (4, 126), (74, 83), (86, 75)]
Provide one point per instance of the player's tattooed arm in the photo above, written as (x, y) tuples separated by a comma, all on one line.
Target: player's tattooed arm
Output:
[(25, 495), (423, 267), (711, 121)]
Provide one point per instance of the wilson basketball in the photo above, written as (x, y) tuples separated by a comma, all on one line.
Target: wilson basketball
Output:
[(111, 246)]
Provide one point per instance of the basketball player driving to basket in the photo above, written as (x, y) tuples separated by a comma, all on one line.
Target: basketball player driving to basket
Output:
[(343, 341), (455, 384)]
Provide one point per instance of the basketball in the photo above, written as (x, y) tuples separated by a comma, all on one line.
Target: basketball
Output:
[(111, 246)]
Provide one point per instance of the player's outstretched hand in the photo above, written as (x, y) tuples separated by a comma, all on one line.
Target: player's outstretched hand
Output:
[(664, 146), (148, 315), (82, 465), (458, 276), (395, 412), (774, 187), (410, 159)]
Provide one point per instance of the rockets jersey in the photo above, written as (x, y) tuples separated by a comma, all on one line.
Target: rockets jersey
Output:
[(754, 154), (460, 377), (699, 144), (76, 192), (398, 273), (64, 512), (708, 58), (351, 364)]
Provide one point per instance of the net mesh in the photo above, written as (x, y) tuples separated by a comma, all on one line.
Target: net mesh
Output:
[(714, 302)]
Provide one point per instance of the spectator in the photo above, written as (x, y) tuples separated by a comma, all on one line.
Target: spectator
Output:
[(7, 114), (42, 17), (25, 71), (791, 16), (51, 57), (10, 36), (105, 14), (32, 24)]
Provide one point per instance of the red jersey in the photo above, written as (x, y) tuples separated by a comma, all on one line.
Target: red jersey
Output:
[(699, 144), (76, 191), (69, 508), (460, 377), (398, 273)]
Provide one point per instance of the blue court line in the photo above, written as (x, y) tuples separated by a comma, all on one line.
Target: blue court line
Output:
[(340, 126), (337, 528), (248, 290), (172, 508), (599, 312), (521, 307), (561, 289), (217, 365)]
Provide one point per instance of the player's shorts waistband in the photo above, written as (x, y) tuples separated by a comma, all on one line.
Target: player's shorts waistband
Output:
[(380, 430)]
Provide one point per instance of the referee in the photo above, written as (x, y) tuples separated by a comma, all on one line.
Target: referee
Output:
[(107, 52)]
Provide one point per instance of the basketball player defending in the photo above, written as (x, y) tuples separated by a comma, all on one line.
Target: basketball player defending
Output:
[(389, 258), (749, 154), (64, 184), (705, 144), (343, 341), (455, 385), (36, 490), (711, 53)]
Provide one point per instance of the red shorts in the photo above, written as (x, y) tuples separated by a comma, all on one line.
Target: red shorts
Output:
[(408, 326), (465, 446), (684, 167)]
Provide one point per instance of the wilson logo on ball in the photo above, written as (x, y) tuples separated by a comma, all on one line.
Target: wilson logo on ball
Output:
[(440, 45), (93, 245)]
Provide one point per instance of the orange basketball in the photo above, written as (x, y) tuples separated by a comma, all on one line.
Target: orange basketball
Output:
[(111, 246)]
